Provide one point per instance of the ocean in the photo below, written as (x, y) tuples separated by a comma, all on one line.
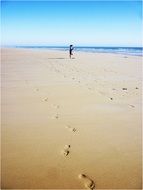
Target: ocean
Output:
[(135, 51)]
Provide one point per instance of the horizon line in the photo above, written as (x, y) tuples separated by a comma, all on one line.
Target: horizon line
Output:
[(64, 46)]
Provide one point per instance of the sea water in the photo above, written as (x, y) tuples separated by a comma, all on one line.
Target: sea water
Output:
[(136, 51)]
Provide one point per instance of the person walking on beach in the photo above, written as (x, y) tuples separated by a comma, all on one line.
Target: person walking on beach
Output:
[(70, 51)]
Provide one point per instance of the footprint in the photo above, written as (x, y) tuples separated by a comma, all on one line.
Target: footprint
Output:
[(132, 106), (66, 151), (124, 88), (71, 128), (56, 106), (88, 183), (57, 116), (46, 99)]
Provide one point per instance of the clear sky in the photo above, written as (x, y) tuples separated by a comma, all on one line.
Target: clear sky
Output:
[(90, 23)]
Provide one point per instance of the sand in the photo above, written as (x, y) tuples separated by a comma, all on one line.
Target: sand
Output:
[(70, 123)]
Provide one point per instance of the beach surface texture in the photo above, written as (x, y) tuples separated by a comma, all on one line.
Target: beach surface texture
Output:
[(70, 123)]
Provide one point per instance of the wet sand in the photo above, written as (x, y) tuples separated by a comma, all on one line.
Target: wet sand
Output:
[(70, 123)]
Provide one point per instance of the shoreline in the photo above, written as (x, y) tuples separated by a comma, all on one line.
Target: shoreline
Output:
[(79, 49)]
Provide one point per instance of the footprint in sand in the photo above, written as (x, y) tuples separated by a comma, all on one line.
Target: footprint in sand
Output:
[(45, 99), (56, 106), (66, 151), (57, 116), (71, 128), (88, 183), (124, 88), (132, 106)]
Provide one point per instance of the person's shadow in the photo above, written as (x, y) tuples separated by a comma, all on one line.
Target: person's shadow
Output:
[(60, 58)]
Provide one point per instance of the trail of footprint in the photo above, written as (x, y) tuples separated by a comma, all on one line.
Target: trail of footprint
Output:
[(66, 151), (88, 183)]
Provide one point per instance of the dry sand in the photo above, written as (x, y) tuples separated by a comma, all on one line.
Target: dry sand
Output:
[(63, 118)]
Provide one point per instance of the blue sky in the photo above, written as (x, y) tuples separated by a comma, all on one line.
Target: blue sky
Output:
[(91, 23)]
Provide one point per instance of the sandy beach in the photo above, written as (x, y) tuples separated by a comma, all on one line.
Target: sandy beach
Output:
[(70, 123)]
